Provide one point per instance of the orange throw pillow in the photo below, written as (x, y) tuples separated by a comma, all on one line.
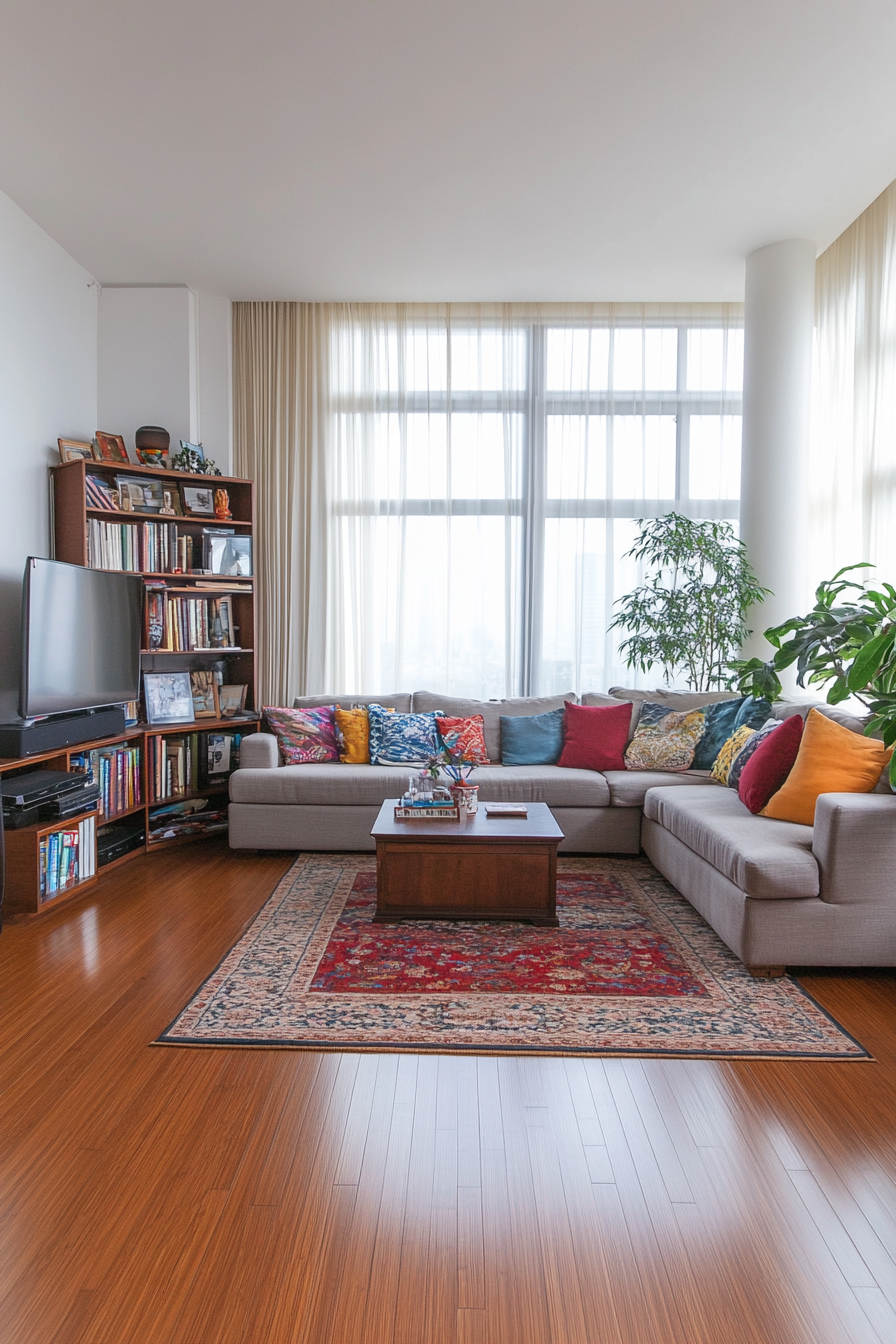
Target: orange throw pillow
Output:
[(831, 759)]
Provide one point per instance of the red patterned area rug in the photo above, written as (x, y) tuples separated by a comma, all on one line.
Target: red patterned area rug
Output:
[(632, 970)]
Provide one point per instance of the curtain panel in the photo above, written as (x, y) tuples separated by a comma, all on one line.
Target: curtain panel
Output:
[(852, 487), (446, 492)]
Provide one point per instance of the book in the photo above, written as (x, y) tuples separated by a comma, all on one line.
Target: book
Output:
[(427, 814), (506, 809)]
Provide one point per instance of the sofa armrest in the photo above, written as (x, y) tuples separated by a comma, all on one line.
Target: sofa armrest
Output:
[(854, 841), (259, 751)]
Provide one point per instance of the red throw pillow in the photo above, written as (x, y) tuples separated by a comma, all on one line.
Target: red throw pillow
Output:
[(770, 764), (595, 736)]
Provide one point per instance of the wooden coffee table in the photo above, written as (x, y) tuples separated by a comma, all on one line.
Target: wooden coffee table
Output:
[(482, 868)]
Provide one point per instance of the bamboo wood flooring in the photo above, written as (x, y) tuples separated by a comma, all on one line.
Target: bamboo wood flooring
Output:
[(177, 1196)]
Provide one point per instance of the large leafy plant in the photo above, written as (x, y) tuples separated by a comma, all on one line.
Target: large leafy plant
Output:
[(847, 642), (690, 612)]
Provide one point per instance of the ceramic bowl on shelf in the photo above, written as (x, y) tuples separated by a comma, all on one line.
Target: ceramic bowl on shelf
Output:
[(152, 443)]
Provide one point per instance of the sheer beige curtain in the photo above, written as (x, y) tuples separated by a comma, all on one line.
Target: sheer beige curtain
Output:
[(853, 479), (445, 491), (279, 360)]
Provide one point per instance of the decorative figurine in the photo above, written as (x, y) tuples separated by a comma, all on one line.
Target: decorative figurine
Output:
[(222, 504), (166, 507)]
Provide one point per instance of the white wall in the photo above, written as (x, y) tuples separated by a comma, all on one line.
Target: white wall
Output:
[(48, 370), (164, 359)]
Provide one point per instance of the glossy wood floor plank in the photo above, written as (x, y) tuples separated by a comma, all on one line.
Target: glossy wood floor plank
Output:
[(171, 1196)]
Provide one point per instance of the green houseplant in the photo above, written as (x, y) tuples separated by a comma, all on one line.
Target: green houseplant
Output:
[(847, 642), (690, 612)]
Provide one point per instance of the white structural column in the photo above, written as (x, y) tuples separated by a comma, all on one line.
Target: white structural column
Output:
[(779, 314)]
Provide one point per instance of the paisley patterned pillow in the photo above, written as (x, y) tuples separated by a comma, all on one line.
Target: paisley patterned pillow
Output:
[(305, 735), (401, 739), (664, 739), (721, 766), (465, 737)]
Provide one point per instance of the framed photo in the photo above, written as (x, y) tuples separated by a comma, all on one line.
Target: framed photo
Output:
[(228, 554), (75, 450), (231, 700), (140, 494), (222, 634), (205, 695), (169, 697), (195, 448), (199, 500), (109, 448)]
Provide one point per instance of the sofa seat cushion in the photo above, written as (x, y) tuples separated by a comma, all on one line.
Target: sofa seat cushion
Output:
[(768, 860), (549, 784), (320, 785), (628, 787)]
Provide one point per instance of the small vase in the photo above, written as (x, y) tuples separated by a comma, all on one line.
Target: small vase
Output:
[(466, 796)]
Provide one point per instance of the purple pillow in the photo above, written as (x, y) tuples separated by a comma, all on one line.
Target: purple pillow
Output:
[(305, 736)]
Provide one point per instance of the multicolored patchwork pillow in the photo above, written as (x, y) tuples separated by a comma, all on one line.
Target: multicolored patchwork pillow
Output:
[(353, 729), (721, 766), (464, 738), (747, 750), (305, 736), (401, 739), (665, 739)]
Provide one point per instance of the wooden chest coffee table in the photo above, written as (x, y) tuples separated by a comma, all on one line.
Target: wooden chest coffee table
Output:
[(482, 868)]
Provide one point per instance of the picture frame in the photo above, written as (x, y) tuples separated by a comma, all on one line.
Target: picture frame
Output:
[(109, 448), (228, 554), (144, 493), (222, 635), (195, 448), (168, 697), (198, 500), (205, 695), (231, 700), (75, 450)]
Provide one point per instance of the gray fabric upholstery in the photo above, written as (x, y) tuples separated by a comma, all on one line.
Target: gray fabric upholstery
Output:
[(491, 711), (399, 700), (810, 932), (768, 860), (854, 842), (327, 784), (680, 700), (784, 708), (542, 784), (628, 787), (259, 751), (334, 784)]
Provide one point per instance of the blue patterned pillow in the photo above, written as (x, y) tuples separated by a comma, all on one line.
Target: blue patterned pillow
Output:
[(402, 739), (722, 720)]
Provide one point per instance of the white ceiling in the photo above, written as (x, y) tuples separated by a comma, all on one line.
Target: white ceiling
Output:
[(444, 149)]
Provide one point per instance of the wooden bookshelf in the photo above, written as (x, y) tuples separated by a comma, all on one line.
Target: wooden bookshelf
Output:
[(72, 512)]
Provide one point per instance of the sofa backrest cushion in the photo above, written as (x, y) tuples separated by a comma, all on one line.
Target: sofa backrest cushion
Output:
[(785, 707), (399, 700), (491, 711)]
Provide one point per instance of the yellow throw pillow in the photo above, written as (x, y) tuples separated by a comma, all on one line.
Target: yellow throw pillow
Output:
[(354, 728), (831, 759), (721, 766)]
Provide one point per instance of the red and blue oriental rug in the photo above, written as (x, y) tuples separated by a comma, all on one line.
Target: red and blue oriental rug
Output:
[(632, 970)]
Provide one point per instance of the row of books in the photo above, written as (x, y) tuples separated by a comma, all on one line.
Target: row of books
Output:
[(150, 548), (67, 858), (117, 771), (186, 623), (181, 765)]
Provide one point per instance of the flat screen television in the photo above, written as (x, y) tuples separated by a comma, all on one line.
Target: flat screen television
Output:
[(80, 638)]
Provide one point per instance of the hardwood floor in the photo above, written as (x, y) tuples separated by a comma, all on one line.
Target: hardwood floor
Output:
[(178, 1196)]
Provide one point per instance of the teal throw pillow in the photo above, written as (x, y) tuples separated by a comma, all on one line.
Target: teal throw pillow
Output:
[(722, 720), (532, 739)]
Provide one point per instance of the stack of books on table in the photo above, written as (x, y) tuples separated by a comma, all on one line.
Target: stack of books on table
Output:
[(429, 810)]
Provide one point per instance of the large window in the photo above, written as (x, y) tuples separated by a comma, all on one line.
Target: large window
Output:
[(484, 478)]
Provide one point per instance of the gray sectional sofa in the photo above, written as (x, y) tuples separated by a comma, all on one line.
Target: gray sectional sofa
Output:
[(777, 893)]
